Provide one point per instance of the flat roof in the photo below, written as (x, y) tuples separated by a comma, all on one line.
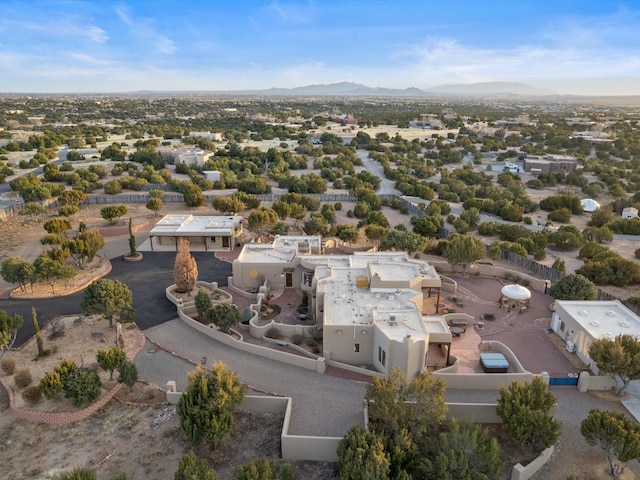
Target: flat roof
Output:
[(195, 225), (602, 318), (346, 304), (283, 249)]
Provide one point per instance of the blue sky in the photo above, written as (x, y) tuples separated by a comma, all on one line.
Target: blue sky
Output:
[(576, 47)]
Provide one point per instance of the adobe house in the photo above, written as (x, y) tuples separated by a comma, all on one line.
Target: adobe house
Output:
[(367, 305), (204, 232), (580, 322)]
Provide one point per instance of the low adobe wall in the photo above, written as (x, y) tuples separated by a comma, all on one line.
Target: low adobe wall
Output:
[(486, 381), (491, 271)]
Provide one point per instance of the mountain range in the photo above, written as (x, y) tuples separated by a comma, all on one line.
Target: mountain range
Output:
[(501, 89)]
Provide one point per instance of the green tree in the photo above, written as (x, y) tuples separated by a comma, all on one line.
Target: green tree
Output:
[(283, 209), (17, 270), (202, 301), (48, 270), (84, 246), (106, 297), (207, 406), (156, 193), (72, 197), (193, 468), (409, 242), (619, 358), (601, 217), (82, 386), (193, 196), (227, 205), (110, 360), (263, 469), (559, 265), (224, 316), (464, 450), (9, 325), (155, 205), (298, 212), (132, 240), (33, 210), (617, 435), (128, 374), (261, 221), (524, 410), (346, 233), (185, 268), (464, 250), (57, 226), (112, 213), (361, 455), (405, 415), (573, 287), (375, 233)]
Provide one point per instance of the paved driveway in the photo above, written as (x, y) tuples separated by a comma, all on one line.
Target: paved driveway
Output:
[(147, 280)]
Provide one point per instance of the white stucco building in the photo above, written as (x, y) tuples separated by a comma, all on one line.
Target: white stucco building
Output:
[(204, 232), (368, 305), (580, 322)]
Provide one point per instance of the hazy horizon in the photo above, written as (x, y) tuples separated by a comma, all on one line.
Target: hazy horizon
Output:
[(570, 47)]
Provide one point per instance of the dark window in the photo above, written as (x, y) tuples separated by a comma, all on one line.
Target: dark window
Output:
[(356, 347)]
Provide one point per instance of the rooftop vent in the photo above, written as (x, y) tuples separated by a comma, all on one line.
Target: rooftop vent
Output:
[(584, 313), (623, 324), (393, 319), (594, 323), (611, 313)]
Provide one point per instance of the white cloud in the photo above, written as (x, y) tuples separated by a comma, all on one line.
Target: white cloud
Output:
[(291, 13), (142, 29)]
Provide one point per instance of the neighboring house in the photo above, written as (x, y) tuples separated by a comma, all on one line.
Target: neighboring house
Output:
[(345, 119), (212, 233), (550, 163), (580, 322), (630, 212), (368, 305), (215, 136), (191, 156), (213, 175)]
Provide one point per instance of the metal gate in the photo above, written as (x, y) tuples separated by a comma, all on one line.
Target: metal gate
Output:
[(560, 379)]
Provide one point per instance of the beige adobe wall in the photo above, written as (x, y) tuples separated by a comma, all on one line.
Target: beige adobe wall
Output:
[(490, 271), (340, 341), (525, 472)]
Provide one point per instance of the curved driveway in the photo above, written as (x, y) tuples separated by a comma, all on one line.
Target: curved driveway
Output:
[(147, 280)]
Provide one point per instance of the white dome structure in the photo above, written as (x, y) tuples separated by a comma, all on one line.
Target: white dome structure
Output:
[(589, 205), (516, 292)]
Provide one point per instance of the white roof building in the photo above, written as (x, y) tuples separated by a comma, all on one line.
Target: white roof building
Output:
[(368, 305), (202, 231), (583, 321)]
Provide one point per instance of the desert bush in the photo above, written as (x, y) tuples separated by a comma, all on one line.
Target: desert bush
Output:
[(8, 365), (23, 378), (51, 384), (272, 333), (296, 339), (32, 395), (82, 385)]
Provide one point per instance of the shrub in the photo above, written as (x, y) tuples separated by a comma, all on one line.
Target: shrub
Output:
[(82, 385), (51, 384), (8, 365), (79, 474), (272, 333), (23, 378), (296, 339), (32, 395)]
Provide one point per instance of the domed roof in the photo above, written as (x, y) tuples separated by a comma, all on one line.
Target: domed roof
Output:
[(589, 205), (516, 292)]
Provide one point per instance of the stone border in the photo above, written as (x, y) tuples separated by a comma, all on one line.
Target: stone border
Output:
[(64, 418), (67, 292)]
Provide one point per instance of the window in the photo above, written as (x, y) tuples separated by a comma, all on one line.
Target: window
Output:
[(561, 326), (356, 347), (382, 356)]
